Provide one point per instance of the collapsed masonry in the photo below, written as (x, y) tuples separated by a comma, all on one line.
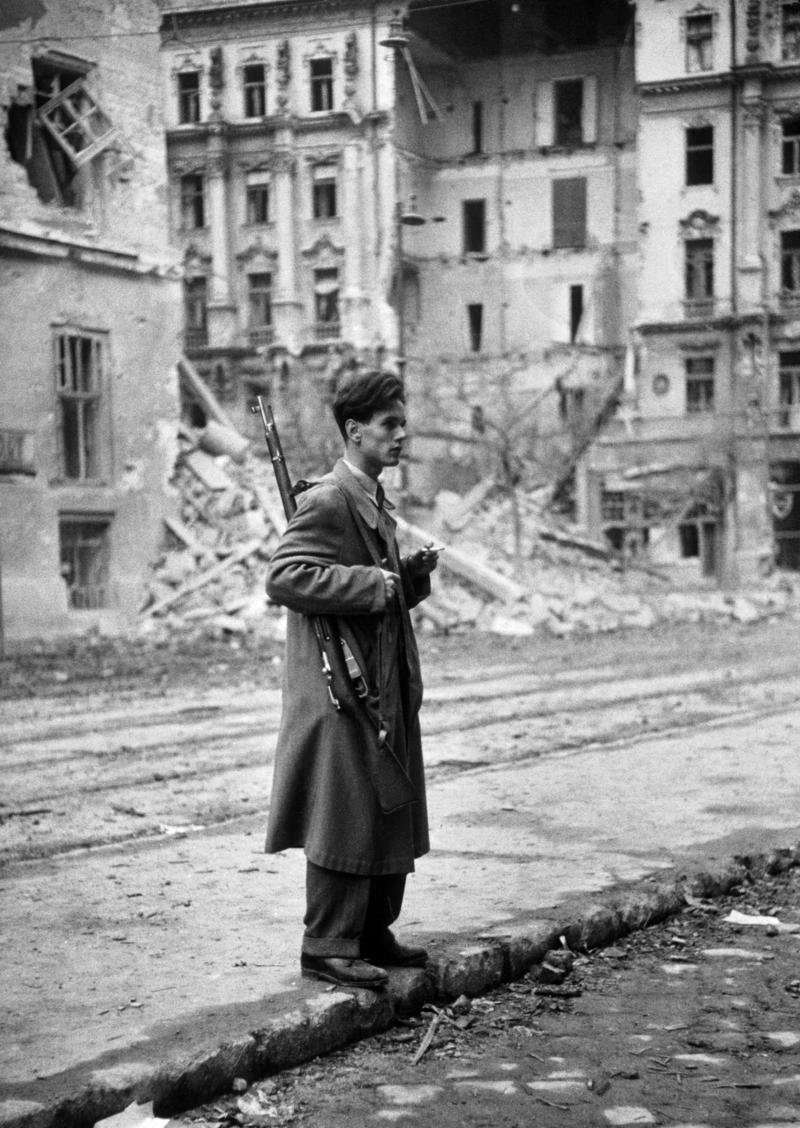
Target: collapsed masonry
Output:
[(211, 573)]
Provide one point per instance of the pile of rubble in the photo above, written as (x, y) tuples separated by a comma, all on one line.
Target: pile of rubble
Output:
[(211, 574)]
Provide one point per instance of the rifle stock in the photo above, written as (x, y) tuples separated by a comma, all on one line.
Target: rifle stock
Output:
[(390, 780)]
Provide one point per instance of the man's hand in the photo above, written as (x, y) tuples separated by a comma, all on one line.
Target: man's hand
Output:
[(391, 586), (424, 560)]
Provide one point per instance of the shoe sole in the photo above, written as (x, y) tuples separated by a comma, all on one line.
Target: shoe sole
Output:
[(371, 984), (420, 962)]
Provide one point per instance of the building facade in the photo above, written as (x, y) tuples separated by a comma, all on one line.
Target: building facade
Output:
[(90, 315), (701, 469)]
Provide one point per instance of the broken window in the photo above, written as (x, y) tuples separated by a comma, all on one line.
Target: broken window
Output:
[(79, 366), (254, 88), (575, 312), (699, 43), (790, 30), (188, 97), (699, 279), (56, 128), (477, 127), (697, 535), (474, 226), (475, 318), (195, 310), (568, 102), (84, 542), (326, 303), (569, 212), (790, 261), (323, 200), (321, 73), (699, 384), (700, 155), (790, 164), (193, 206), (257, 202)]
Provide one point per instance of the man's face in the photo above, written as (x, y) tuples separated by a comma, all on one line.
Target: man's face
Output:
[(382, 438)]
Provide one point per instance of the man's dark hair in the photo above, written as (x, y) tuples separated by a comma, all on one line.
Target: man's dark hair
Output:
[(361, 395)]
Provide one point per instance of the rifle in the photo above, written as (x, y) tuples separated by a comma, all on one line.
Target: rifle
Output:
[(346, 684)]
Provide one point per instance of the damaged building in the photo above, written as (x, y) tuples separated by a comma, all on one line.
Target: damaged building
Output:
[(90, 314)]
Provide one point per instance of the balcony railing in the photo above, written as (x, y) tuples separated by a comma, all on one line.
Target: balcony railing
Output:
[(260, 336), (195, 339), (697, 308), (327, 331)]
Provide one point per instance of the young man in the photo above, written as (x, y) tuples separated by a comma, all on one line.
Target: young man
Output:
[(339, 558)]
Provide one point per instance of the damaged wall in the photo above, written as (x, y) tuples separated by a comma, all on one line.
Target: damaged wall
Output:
[(89, 315)]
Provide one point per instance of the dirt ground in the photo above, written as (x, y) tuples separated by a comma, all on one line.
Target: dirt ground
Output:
[(693, 1021)]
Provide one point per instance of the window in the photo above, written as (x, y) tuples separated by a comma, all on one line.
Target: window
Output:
[(254, 88), (326, 302), (575, 312), (323, 200), (699, 384), (700, 155), (475, 319), (84, 552), (790, 261), (790, 165), (569, 212), (790, 30), (698, 538), (568, 98), (257, 202), (700, 272), (259, 294), (193, 208), (699, 43), (188, 97), (79, 367), (473, 224), (321, 85), (195, 308), (477, 127), (789, 387)]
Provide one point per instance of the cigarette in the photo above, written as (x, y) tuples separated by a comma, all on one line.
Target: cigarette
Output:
[(434, 547)]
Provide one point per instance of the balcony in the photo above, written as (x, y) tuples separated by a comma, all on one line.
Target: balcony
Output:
[(194, 339), (327, 331), (260, 336)]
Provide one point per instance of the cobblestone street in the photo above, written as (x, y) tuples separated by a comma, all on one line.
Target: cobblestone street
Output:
[(695, 1021)]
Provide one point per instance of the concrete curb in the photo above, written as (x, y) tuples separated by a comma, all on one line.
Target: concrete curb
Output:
[(328, 1021)]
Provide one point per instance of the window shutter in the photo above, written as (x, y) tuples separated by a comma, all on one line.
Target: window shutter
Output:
[(590, 109), (544, 114), (569, 212)]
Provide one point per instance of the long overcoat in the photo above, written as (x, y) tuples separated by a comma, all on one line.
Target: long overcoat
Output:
[(329, 563)]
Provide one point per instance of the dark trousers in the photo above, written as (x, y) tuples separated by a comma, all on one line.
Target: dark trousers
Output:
[(347, 910)]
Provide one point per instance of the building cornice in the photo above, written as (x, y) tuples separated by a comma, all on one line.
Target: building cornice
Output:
[(47, 244), (717, 79), (267, 11)]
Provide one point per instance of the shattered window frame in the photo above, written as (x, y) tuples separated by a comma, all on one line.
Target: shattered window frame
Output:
[(76, 121), (79, 362)]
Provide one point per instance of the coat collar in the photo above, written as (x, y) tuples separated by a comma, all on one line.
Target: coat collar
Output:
[(363, 503)]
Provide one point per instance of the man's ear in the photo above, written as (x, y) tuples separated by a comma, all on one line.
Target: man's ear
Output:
[(352, 429)]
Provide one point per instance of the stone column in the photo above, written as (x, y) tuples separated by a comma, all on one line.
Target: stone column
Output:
[(750, 199), (286, 305), (221, 308), (353, 208)]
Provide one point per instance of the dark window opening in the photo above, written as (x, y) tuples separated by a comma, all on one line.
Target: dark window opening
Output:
[(474, 226), (697, 537), (571, 404), (790, 261), (690, 540), (324, 199), (84, 543), (257, 201), (326, 302), (699, 43), (188, 97), (254, 86), (321, 85), (475, 318), (569, 212), (699, 270), (193, 208), (575, 312), (784, 494), (699, 384), (789, 389), (790, 30), (79, 366), (260, 300), (791, 147), (700, 155), (568, 125), (477, 127), (195, 309)]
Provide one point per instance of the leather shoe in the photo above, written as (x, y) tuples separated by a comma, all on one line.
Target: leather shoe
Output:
[(345, 972), (389, 952)]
